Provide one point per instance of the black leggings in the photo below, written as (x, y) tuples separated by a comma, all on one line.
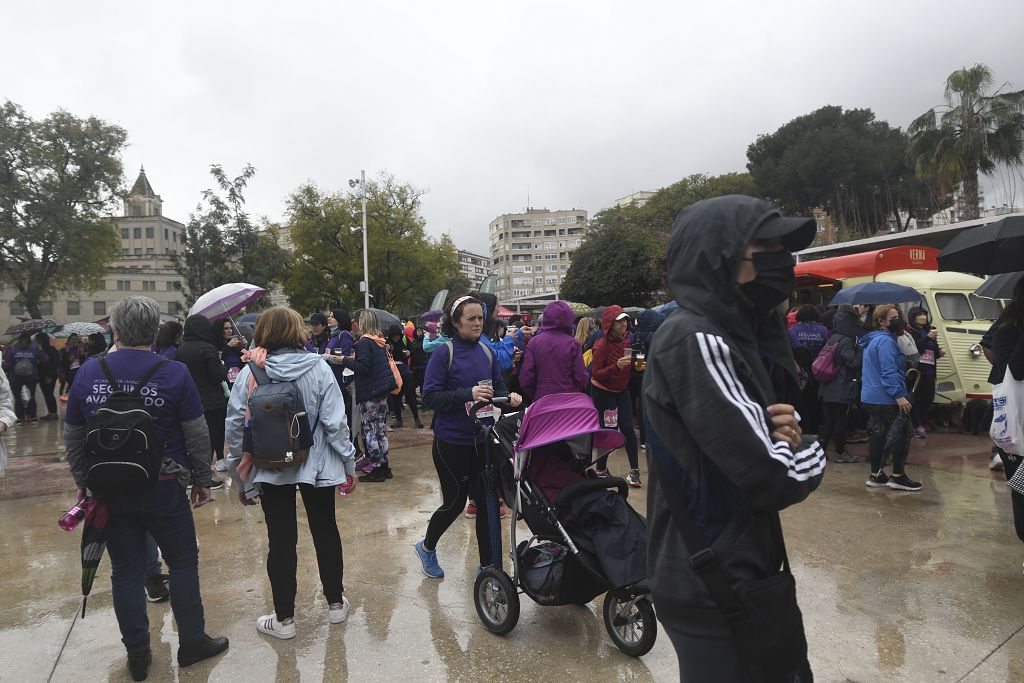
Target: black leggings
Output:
[(924, 395), (282, 534), (834, 426), (215, 422), (459, 470), (47, 386), (623, 402), (880, 419), (409, 394)]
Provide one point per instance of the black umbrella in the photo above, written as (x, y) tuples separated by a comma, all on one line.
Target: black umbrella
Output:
[(989, 249), (34, 325), (384, 318), (1000, 286)]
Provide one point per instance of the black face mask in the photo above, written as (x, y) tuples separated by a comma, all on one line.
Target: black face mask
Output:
[(774, 281), (896, 327)]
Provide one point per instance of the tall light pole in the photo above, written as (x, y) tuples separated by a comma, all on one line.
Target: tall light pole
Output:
[(365, 284)]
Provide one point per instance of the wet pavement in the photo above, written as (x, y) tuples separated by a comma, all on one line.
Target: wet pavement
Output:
[(893, 586)]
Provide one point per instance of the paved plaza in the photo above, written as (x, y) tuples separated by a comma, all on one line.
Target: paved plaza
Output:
[(894, 586)]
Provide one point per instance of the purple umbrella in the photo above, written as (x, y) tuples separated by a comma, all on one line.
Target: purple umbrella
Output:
[(431, 316), (226, 300)]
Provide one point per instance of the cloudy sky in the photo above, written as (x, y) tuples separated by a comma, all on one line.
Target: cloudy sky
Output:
[(582, 102)]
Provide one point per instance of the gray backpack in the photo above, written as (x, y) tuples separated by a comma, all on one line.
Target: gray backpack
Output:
[(277, 430)]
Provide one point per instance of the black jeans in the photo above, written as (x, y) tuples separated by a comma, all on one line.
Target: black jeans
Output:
[(1010, 464), (162, 511), (715, 659), (279, 510), (623, 402), (47, 385), (409, 394), (215, 422), (459, 470), (924, 395), (834, 427), (880, 419), (23, 408)]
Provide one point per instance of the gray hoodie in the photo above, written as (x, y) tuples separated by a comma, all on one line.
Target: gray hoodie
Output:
[(332, 456)]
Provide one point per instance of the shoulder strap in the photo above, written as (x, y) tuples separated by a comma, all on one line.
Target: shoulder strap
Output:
[(148, 376), (259, 374), (451, 353), (108, 374), (702, 557)]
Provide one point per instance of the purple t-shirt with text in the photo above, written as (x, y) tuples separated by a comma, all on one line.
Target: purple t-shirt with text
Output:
[(170, 396)]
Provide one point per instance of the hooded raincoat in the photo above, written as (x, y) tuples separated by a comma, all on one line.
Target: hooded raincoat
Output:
[(332, 456), (705, 391), (553, 363), (199, 353), (604, 370), (842, 388)]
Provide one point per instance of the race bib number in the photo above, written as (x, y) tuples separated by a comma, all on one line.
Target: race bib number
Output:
[(233, 374), (928, 357), (489, 411), (611, 418)]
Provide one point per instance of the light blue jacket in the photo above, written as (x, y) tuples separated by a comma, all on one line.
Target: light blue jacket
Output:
[(332, 456), (431, 345)]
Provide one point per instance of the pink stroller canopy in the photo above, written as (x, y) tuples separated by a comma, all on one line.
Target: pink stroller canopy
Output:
[(558, 417)]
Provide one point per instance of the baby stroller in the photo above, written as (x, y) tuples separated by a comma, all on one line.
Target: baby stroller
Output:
[(586, 539)]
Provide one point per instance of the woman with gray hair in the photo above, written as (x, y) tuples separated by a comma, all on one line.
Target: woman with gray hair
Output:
[(161, 509)]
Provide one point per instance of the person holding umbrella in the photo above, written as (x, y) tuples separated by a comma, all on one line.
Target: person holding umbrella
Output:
[(885, 397), (161, 509), (22, 363), (71, 358), (200, 355)]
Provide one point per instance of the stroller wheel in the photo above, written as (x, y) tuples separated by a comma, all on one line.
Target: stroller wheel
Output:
[(497, 602), (630, 623)]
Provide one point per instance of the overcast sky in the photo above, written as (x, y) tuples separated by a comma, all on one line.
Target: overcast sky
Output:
[(475, 101)]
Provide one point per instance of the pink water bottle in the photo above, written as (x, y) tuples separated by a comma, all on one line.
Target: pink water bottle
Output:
[(73, 517)]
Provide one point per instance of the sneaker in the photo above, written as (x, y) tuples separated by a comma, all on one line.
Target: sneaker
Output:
[(216, 485), (428, 561), (919, 432), (138, 665), (633, 479), (904, 483), (996, 463), (156, 588), (857, 436), (878, 481), (503, 513), (18, 423), (643, 446), (397, 424), (189, 654), (338, 613), (845, 456), (269, 625), (63, 397), (419, 424), (377, 476), (471, 511), (220, 466), (50, 416), (603, 473), (388, 474)]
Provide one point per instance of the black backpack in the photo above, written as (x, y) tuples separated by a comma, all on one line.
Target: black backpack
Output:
[(277, 432), (121, 454)]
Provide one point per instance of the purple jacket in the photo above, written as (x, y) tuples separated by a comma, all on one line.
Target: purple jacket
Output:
[(553, 362)]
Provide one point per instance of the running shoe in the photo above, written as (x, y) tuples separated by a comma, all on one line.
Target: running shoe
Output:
[(269, 625), (338, 612), (878, 481), (428, 561), (919, 432), (633, 479), (471, 511), (904, 483)]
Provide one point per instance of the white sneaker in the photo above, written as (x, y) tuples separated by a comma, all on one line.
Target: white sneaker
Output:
[(996, 463), (340, 614), (269, 625), (220, 466)]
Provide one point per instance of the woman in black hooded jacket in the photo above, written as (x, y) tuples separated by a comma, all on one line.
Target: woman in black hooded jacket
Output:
[(199, 353)]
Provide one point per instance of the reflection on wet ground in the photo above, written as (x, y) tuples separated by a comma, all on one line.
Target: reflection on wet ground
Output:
[(894, 586)]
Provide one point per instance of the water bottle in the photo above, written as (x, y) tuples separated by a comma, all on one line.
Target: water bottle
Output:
[(73, 517)]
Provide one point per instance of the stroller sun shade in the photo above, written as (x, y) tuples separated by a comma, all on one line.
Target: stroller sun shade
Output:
[(565, 417)]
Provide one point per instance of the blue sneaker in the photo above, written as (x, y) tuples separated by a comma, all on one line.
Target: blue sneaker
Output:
[(428, 561)]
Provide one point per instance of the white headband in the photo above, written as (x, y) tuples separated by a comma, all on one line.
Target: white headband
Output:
[(458, 302)]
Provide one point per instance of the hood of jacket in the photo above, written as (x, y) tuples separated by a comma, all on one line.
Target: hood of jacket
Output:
[(866, 340), (558, 316), (647, 323), (343, 318), (199, 328), (916, 311), (847, 323), (705, 249), (608, 317), (286, 365)]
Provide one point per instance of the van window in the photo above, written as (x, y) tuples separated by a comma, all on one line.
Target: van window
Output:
[(986, 309), (954, 307)]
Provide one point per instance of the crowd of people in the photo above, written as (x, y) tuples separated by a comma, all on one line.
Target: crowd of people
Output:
[(785, 392)]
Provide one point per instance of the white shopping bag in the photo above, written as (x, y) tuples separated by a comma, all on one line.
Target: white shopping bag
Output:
[(1007, 429)]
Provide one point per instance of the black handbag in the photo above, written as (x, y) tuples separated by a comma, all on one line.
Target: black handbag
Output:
[(763, 614)]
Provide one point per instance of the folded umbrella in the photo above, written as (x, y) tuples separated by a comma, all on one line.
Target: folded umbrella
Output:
[(1000, 286), (94, 542), (987, 250), (226, 300), (875, 293), (34, 325)]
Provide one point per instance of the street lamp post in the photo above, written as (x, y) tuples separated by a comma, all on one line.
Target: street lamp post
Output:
[(366, 264)]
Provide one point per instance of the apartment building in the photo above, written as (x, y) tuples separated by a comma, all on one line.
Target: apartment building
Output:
[(531, 251), (474, 267)]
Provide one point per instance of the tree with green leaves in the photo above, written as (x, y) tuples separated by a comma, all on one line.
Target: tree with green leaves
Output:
[(976, 130), (659, 213), (406, 265), (220, 243), (845, 162), (618, 263), (60, 180)]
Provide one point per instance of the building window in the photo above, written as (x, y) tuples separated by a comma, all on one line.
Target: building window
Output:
[(149, 233), (138, 251), (125, 252), (99, 307), (174, 237), (148, 286), (173, 307), (150, 250), (46, 308), (137, 233), (167, 235), (125, 233), (17, 308), (136, 210), (73, 308)]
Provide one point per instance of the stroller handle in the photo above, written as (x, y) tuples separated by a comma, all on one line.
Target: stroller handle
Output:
[(480, 405)]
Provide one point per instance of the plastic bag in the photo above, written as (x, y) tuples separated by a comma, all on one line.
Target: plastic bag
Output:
[(3, 457), (1007, 430)]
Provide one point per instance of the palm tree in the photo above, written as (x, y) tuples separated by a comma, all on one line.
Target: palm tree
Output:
[(974, 131)]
